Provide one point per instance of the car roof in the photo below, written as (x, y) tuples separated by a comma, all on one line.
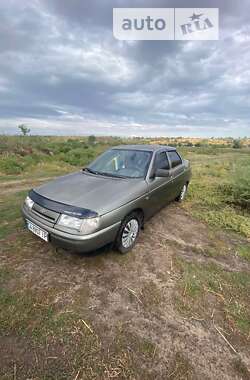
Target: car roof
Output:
[(145, 147)]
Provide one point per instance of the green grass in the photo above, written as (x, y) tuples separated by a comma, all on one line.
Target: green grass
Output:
[(244, 251), (218, 195), (5, 275), (19, 155), (219, 190), (10, 214), (229, 291), (32, 317), (33, 312), (27, 313)]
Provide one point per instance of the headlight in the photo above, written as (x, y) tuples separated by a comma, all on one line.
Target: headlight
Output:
[(89, 225), (28, 202), (85, 226)]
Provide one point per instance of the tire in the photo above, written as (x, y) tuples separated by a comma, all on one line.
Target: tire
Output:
[(128, 232), (183, 193)]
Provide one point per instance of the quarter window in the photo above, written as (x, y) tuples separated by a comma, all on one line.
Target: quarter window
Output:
[(161, 161), (174, 159)]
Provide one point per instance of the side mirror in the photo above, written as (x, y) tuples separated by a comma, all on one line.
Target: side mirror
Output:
[(162, 173)]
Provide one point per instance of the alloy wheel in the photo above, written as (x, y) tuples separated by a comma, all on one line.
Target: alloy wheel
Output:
[(183, 192), (130, 233)]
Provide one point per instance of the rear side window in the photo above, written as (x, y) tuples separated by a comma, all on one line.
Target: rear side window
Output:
[(161, 161), (174, 159)]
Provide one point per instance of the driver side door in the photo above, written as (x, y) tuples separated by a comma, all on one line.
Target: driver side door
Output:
[(159, 188)]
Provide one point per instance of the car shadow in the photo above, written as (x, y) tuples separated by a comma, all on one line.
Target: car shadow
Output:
[(100, 252)]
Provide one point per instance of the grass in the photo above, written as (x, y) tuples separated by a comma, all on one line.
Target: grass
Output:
[(20, 155), (218, 195), (181, 368), (219, 190), (203, 288), (244, 251), (31, 313), (151, 297), (237, 189), (241, 368), (33, 317), (10, 214), (64, 338)]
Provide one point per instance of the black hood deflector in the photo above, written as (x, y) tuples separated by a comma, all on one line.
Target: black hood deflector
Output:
[(77, 212)]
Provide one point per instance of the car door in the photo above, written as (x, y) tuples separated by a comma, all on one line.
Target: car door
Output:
[(159, 188), (177, 170)]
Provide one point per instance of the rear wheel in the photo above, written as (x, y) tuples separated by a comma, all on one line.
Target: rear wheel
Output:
[(128, 233), (183, 193)]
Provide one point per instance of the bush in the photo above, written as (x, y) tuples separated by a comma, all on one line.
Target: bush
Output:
[(10, 165), (237, 144), (91, 140), (238, 190), (24, 129), (76, 157)]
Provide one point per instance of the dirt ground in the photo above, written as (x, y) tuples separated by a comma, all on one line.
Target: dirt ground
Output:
[(129, 303)]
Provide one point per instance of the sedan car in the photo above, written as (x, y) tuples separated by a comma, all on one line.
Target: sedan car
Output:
[(109, 200)]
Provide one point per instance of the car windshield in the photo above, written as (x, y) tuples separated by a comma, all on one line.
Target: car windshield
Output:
[(122, 163)]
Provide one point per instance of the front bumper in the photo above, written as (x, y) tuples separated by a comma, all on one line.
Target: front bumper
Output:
[(77, 243)]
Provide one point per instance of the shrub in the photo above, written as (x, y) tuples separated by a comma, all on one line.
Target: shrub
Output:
[(10, 165), (238, 189), (91, 140), (24, 129), (237, 144), (76, 157)]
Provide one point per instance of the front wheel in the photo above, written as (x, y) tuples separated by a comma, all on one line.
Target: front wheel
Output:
[(183, 193), (128, 233)]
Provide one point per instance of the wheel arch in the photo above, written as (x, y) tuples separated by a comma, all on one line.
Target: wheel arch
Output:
[(139, 211)]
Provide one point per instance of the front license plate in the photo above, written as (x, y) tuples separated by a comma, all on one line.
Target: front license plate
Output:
[(38, 231)]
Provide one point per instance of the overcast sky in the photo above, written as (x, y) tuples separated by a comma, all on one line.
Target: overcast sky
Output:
[(63, 72)]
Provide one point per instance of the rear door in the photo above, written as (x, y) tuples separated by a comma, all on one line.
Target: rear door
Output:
[(177, 172)]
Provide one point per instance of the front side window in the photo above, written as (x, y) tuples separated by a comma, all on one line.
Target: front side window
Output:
[(174, 159), (122, 163), (161, 161)]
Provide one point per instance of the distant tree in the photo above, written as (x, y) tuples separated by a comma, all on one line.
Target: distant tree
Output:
[(91, 140), (237, 144), (24, 129)]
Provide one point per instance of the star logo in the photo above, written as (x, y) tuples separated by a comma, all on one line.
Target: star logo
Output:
[(195, 17)]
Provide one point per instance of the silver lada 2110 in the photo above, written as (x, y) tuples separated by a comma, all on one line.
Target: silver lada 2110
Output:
[(109, 200)]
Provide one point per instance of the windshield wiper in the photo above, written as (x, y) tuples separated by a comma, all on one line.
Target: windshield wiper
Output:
[(104, 173), (112, 175), (90, 171)]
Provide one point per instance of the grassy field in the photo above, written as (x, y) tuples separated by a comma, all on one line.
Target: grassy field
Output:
[(176, 307)]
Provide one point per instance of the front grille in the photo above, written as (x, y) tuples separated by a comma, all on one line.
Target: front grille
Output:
[(45, 213)]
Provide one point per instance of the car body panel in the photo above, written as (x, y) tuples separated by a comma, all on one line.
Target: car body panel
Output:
[(159, 194), (101, 194), (83, 243)]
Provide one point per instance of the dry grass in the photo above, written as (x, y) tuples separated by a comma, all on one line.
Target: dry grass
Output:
[(150, 314)]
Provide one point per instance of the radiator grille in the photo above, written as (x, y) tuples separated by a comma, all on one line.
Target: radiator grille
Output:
[(45, 213)]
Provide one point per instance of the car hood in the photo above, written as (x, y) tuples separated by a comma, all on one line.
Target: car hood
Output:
[(97, 193)]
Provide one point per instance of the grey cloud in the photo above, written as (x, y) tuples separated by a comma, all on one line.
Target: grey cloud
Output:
[(60, 67)]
